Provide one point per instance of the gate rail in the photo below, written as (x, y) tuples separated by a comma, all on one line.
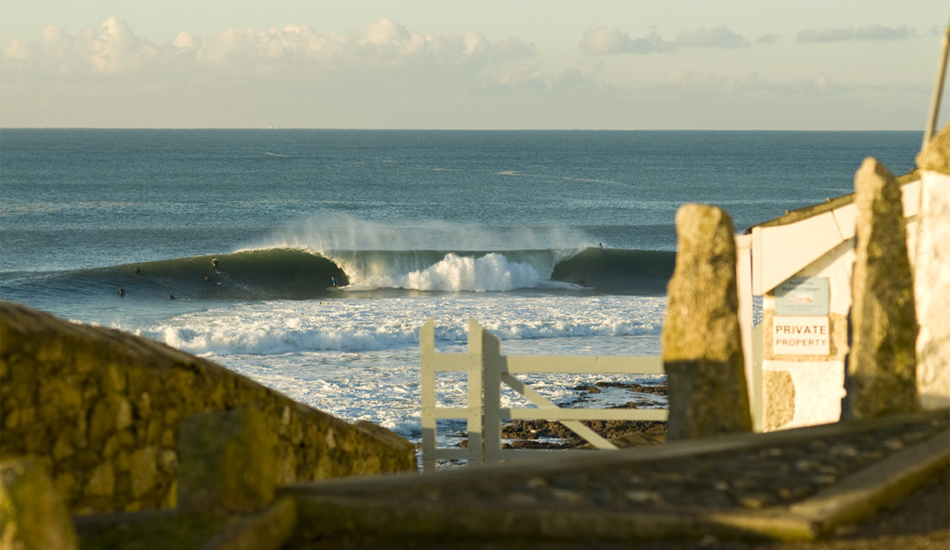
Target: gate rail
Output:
[(487, 369)]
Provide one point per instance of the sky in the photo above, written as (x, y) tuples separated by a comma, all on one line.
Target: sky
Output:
[(491, 64)]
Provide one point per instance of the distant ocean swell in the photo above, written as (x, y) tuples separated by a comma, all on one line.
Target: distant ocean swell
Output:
[(284, 273)]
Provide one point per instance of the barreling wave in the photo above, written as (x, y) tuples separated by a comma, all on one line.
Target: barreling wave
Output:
[(251, 274), (602, 270), (611, 271), (286, 273)]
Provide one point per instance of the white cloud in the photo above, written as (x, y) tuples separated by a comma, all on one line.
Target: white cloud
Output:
[(717, 37), (710, 85), (389, 75), (114, 49), (17, 51), (184, 41), (870, 32), (110, 49), (603, 41)]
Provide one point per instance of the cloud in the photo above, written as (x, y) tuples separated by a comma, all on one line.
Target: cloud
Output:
[(110, 49), (870, 33), (717, 37), (113, 49), (707, 84), (603, 41)]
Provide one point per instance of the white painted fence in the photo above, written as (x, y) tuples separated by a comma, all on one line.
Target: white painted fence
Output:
[(487, 369)]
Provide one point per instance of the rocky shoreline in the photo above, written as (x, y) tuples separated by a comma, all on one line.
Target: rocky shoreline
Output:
[(547, 434)]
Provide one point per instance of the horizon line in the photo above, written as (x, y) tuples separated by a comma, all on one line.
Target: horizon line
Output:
[(297, 128)]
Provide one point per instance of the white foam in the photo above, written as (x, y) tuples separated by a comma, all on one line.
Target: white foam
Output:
[(354, 325), (491, 272), (358, 359)]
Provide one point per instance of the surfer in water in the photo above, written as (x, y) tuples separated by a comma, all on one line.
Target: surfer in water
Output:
[(214, 264), (333, 280), (121, 292), (136, 270)]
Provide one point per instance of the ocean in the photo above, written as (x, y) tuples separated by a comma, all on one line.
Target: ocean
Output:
[(559, 242)]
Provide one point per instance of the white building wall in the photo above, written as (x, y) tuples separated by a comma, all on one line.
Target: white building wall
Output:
[(807, 390)]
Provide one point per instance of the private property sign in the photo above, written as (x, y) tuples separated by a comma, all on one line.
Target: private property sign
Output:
[(801, 336)]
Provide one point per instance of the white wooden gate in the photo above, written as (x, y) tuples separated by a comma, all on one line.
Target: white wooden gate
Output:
[(487, 369)]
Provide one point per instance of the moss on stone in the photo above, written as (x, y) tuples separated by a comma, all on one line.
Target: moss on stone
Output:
[(91, 399), (935, 157), (152, 532), (32, 516)]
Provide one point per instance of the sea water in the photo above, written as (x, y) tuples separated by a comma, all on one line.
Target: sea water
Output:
[(558, 242)]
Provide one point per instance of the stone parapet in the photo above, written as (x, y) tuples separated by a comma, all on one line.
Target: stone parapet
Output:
[(100, 410)]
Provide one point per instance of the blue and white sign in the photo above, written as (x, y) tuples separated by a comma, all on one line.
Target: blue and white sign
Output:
[(802, 296)]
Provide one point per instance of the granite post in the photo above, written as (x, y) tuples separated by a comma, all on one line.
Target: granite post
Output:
[(881, 376), (32, 516), (228, 461), (702, 347), (932, 273)]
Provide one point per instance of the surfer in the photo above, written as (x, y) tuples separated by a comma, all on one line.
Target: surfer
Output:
[(136, 270), (333, 280), (121, 292), (214, 264), (208, 279), (170, 297)]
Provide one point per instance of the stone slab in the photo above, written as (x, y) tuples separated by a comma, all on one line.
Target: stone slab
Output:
[(500, 503)]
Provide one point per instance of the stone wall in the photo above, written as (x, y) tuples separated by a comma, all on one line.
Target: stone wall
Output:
[(100, 410)]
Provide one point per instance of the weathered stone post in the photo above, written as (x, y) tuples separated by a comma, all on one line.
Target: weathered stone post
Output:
[(932, 273), (228, 462), (702, 347), (32, 516), (881, 376)]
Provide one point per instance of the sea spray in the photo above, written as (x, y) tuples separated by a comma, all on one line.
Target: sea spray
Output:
[(333, 232)]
